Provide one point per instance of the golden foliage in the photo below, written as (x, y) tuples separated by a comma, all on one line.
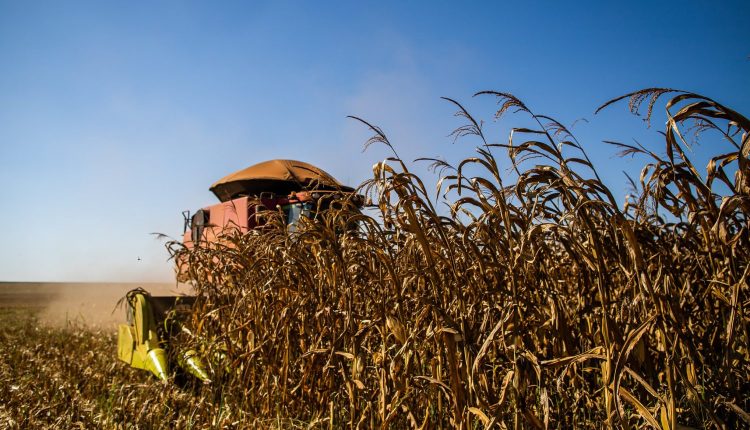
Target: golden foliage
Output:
[(535, 302)]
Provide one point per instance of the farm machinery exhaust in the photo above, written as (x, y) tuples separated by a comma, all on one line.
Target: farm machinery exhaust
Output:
[(294, 188)]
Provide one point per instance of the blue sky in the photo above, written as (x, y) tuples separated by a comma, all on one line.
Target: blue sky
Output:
[(115, 117)]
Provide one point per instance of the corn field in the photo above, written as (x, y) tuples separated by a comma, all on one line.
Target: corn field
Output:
[(507, 297)]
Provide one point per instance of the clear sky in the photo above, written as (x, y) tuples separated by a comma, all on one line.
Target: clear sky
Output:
[(116, 116)]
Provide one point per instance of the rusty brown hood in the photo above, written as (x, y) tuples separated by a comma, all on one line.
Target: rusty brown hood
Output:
[(277, 176)]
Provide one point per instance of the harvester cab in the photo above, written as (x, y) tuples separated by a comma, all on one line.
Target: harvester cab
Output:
[(294, 188)]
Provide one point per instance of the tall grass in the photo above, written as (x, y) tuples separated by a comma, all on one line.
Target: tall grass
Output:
[(534, 301)]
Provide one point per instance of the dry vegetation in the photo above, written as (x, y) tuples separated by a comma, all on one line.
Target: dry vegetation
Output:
[(533, 301)]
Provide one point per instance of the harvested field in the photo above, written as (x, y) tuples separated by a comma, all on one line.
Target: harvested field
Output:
[(69, 377), (87, 303)]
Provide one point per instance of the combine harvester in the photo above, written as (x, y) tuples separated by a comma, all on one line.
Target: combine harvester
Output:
[(295, 188)]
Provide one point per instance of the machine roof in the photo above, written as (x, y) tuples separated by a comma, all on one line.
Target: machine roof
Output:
[(277, 176)]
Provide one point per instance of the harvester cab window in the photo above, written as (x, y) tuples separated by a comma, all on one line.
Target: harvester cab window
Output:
[(198, 224), (293, 212)]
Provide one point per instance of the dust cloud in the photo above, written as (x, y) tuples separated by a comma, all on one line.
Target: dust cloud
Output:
[(89, 304)]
